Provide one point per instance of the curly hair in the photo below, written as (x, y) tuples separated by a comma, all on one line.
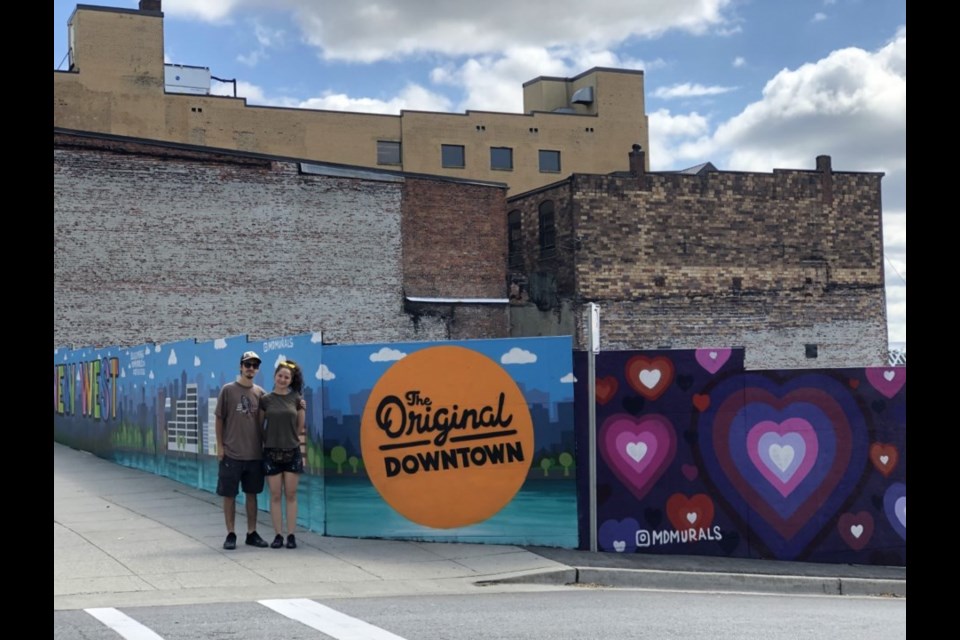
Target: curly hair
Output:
[(296, 373)]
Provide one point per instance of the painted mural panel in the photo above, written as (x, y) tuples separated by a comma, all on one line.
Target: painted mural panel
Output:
[(152, 408), (696, 456)]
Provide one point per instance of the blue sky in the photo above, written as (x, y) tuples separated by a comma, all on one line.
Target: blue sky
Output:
[(748, 85)]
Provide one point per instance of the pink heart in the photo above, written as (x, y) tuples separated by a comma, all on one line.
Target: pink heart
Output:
[(690, 472), (638, 450), (887, 380), (713, 359), (783, 453)]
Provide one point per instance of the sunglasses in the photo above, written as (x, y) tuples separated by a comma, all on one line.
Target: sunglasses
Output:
[(288, 365), (252, 365)]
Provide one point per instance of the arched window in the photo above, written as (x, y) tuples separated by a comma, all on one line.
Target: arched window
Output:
[(515, 240), (548, 230)]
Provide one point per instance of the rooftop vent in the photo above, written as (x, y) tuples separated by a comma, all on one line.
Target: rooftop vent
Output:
[(583, 96)]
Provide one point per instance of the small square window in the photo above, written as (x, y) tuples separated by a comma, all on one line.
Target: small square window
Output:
[(452, 156), (811, 350), (388, 152), (501, 158), (549, 161)]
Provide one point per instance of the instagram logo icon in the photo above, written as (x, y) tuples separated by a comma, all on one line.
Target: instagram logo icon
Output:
[(643, 538)]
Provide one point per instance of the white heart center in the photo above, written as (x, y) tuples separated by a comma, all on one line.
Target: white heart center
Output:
[(888, 375), (619, 545), (857, 530), (692, 517), (713, 355), (637, 450), (650, 377), (884, 460), (782, 456)]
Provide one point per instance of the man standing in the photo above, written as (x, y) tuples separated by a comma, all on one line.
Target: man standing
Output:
[(240, 449)]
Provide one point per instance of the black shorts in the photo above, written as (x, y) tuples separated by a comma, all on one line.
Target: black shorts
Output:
[(282, 461), (234, 473)]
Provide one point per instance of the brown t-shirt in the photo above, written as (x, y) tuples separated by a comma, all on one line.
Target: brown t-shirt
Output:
[(237, 406)]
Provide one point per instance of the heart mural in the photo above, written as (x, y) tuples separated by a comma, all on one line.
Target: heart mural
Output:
[(884, 457), (650, 377), (887, 380), (618, 535), (606, 389), (895, 507), (783, 456), (695, 512), (712, 359), (637, 450), (856, 529)]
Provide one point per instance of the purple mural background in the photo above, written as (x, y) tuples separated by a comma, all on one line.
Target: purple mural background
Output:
[(697, 456)]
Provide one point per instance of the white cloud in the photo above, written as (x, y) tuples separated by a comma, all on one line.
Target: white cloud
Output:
[(739, 61), (411, 97), (518, 356), (568, 378), (280, 358), (172, 360), (219, 343), (386, 354), (316, 337), (324, 373), (819, 17), (196, 361), (687, 90)]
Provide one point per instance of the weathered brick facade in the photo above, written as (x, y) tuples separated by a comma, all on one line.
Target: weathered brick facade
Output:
[(770, 261), (165, 242)]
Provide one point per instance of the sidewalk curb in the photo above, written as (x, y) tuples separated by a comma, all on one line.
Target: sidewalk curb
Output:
[(710, 581)]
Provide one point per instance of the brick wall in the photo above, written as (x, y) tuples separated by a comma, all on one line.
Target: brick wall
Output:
[(159, 244), (769, 261)]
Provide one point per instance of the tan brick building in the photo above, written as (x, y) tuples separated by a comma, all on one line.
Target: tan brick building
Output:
[(117, 83), (788, 264)]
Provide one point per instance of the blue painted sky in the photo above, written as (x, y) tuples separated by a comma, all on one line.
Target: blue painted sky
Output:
[(746, 84)]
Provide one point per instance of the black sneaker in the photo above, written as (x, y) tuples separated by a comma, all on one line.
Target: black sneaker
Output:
[(254, 540), (277, 542), (291, 541), (231, 541)]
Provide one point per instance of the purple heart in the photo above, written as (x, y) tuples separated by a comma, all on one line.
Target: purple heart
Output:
[(895, 507), (784, 453), (618, 535), (690, 472), (887, 380), (713, 359), (637, 450)]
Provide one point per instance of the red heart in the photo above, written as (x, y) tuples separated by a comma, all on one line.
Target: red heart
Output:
[(650, 376), (695, 512), (884, 457), (606, 388), (854, 383), (701, 401)]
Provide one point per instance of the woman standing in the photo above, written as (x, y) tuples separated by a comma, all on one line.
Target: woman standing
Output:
[(282, 458)]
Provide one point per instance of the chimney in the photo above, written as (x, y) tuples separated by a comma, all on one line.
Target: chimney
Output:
[(826, 179), (150, 5), (637, 163)]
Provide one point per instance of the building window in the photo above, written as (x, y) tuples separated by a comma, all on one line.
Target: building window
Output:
[(501, 158), (514, 240), (811, 350), (548, 230), (451, 156), (549, 161), (388, 152)]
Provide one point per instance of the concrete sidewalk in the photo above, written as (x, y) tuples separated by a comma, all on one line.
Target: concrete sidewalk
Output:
[(123, 537)]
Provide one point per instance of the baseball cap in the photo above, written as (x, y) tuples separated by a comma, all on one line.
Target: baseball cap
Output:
[(249, 355)]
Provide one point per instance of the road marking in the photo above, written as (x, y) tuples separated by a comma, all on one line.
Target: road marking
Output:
[(327, 620), (123, 624)]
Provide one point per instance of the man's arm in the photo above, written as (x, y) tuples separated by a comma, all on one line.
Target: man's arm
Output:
[(219, 430)]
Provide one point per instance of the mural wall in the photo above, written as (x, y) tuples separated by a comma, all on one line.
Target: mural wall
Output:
[(697, 456), (461, 441)]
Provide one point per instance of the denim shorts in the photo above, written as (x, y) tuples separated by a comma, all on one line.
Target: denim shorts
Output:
[(282, 461)]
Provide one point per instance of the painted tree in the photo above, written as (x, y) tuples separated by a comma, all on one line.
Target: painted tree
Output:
[(354, 463), (338, 455), (566, 461), (545, 464)]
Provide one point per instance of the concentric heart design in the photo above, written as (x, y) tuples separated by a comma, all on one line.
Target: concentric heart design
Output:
[(856, 529), (606, 389), (887, 380), (884, 457), (694, 512), (784, 456), (637, 450), (712, 359), (650, 377), (895, 507)]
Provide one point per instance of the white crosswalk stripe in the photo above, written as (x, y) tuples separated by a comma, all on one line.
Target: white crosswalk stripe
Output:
[(329, 621), (123, 624)]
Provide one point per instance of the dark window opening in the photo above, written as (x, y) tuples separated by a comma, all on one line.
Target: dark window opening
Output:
[(549, 161), (811, 350), (548, 230), (452, 156), (388, 152), (514, 240), (501, 158)]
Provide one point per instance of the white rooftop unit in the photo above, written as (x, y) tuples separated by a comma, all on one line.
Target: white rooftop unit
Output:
[(178, 78)]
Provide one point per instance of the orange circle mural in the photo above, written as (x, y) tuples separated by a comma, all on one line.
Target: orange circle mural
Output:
[(446, 437)]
